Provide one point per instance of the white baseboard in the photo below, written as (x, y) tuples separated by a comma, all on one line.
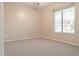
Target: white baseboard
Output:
[(46, 37), (67, 42), (23, 38)]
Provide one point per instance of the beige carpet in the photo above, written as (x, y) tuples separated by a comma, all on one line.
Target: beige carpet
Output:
[(39, 47)]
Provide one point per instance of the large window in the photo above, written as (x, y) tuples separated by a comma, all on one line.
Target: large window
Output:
[(64, 20)]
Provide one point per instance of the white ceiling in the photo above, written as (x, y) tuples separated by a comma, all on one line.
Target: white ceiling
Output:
[(40, 6)]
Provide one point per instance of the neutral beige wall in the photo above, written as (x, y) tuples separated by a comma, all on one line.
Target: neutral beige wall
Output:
[(21, 21), (1, 30), (35, 22), (47, 19), (1, 22)]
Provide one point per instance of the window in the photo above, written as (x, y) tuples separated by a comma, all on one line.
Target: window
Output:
[(64, 20)]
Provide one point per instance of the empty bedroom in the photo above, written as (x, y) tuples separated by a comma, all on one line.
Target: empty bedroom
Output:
[(41, 28)]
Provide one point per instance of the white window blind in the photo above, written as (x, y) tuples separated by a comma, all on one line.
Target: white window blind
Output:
[(64, 20)]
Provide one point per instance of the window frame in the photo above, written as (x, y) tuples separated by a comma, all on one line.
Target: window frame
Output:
[(62, 20)]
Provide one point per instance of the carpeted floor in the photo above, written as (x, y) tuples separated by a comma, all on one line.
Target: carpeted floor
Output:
[(39, 47)]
